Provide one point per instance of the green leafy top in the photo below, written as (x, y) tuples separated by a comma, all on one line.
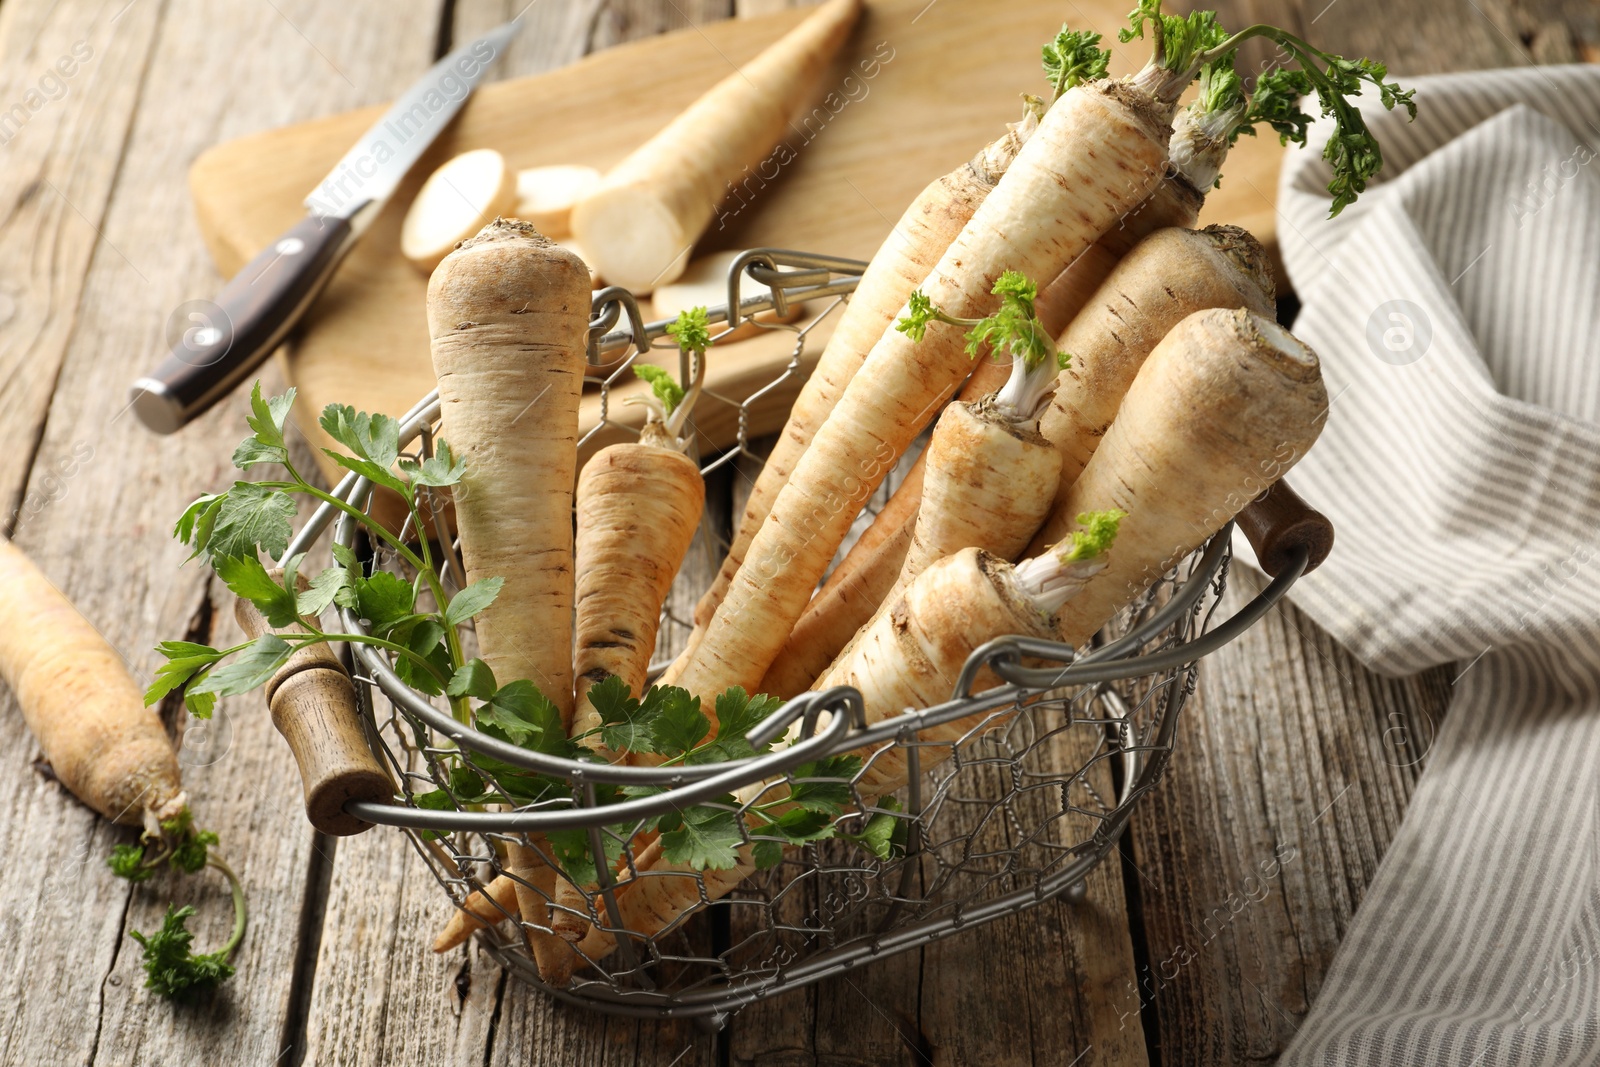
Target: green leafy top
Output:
[(1177, 39), (919, 312), (236, 527), (1352, 151), (180, 844), (1014, 328), (663, 383), (1185, 47), (1095, 539), (1074, 57), (171, 969), (691, 331), (1221, 88)]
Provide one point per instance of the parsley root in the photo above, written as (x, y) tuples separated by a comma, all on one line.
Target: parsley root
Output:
[(509, 315), (862, 580), (1170, 275), (481, 908), (911, 250), (651, 208), (990, 475), (1055, 200), (638, 507), (1220, 410), (912, 654), (76, 695), (508, 312)]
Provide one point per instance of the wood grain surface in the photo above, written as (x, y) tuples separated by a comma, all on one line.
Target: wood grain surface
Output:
[(1205, 946)]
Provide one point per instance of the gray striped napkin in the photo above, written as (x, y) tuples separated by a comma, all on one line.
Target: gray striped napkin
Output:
[(1456, 308)]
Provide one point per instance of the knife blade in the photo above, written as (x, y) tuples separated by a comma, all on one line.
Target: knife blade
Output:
[(215, 345)]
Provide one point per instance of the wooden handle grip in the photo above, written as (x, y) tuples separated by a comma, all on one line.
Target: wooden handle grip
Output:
[(249, 319), (313, 706), (1277, 522)]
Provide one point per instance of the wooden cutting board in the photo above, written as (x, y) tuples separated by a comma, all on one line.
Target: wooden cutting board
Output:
[(920, 87)]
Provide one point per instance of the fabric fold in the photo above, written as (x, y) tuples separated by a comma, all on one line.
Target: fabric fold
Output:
[(1456, 309)]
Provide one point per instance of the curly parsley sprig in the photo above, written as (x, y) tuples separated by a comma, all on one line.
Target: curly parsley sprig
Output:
[(1014, 329), (1196, 44), (172, 968)]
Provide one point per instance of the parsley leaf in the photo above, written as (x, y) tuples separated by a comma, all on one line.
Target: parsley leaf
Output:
[(374, 441), (522, 715), (823, 786), (425, 637), (474, 679), (884, 835), (1074, 57), (571, 848), (171, 970), (920, 312), (663, 383), (254, 665), (250, 519), (766, 854), (622, 727), (189, 854), (247, 577), (800, 825), (441, 468), (384, 600), (266, 418), (693, 334), (738, 713), (127, 861), (708, 839), (194, 526), (471, 600), (184, 660), (333, 585), (678, 724)]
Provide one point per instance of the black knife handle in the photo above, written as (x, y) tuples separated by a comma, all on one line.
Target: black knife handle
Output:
[(214, 346)]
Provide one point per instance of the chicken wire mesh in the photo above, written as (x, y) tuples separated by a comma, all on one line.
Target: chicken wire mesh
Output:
[(1017, 786)]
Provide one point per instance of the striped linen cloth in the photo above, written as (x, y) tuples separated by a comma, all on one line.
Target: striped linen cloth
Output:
[(1456, 308)]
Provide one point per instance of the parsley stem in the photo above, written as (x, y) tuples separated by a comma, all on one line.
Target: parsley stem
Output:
[(420, 564), (459, 707), (318, 636), (240, 915)]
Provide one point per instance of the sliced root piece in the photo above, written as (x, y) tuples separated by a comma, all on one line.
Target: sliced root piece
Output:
[(546, 195), (454, 203)]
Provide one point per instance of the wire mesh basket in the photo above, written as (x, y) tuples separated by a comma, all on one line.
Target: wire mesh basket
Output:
[(1029, 787)]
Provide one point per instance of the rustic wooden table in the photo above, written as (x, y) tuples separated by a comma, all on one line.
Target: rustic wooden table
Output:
[(1293, 760)]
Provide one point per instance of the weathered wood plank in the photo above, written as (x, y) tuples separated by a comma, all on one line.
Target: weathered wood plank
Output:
[(60, 152), (380, 996), (105, 538), (1041, 986), (69, 83), (553, 35)]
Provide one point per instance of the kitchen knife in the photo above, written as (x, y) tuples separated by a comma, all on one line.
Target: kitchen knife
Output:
[(214, 346)]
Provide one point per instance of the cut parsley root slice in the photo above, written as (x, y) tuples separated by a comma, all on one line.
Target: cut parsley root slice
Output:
[(454, 203), (546, 195), (651, 208)]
